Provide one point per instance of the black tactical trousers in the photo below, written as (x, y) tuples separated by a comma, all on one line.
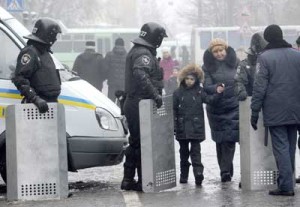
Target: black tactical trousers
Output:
[(225, 154), (133, 151), (194, 152), (284, 139)]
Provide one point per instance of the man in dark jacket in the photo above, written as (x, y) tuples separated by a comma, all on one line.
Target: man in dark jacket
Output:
[(36, 76), (298, 46), (115, 64), (276, 92), (143, 80), (89, 65)]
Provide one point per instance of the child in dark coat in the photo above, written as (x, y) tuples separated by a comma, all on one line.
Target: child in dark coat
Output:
[(189, 125)]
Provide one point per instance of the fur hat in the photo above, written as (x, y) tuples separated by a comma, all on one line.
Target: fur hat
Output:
[(217, 42), (90, 44), (191, 69), (273, 33)]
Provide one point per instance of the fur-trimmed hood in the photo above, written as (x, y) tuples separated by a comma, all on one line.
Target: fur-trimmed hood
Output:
[(191, 69), (210, 61)]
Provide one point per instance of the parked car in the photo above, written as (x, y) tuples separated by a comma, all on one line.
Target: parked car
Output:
[(96, 134)]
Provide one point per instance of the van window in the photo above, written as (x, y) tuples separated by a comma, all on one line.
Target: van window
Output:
[(8, 57)]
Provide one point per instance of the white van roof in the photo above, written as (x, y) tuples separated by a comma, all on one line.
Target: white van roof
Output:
[(4, 14)]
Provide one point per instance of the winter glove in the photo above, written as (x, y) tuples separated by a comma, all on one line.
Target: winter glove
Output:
[(158, 101), (254, 119), (41, 104), (120, 94), (28, 92), (242, 96)]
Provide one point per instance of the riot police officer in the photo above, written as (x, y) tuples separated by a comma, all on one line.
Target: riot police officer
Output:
[(143, 80), (244, 78), (36, 76)]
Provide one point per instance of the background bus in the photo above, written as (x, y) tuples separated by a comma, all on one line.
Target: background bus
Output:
[(237, 37), (72, 42)]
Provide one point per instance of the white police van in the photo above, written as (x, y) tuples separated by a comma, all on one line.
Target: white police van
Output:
[(96, 133)]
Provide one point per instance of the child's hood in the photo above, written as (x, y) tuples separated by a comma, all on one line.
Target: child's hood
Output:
[(191, 69)]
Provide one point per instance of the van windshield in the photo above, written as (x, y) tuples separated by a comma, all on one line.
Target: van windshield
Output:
[(18, 28)]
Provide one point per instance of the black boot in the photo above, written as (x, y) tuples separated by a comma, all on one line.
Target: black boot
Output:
[(139, 186), (199, 179), (184, 174), (198, 173), (128, 182), (225, 177)]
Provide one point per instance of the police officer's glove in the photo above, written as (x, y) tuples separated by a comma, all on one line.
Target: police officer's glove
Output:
[(120, 94), (158, 101), (254, 119), (41, 104), (242, 96), (28, 92)]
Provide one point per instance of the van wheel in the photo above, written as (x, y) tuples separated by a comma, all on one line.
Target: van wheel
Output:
[(3, 163)]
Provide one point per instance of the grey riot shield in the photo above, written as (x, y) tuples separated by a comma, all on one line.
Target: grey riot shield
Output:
[(157, 145), (36, 153), (258, 167)]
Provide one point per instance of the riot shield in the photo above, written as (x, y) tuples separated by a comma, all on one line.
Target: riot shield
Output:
[(157, 145), (36, 153), (258, 166)]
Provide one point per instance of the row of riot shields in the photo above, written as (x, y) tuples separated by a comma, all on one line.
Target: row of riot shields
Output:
[(29, 133), (258, 167)]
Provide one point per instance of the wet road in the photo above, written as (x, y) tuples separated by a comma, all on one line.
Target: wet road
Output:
[(101, 187)]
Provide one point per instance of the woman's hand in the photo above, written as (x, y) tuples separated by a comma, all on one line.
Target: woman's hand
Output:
[(220, 88)]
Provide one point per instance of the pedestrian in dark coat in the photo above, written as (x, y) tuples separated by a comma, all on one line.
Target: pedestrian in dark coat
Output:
[(89, 65), (298, 47), (220, 66), (115, 63), (276, 91), (189, 124)]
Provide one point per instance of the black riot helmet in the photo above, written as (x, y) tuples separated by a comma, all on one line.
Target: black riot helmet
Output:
[(151, 35), (44, 31), (257, 44)]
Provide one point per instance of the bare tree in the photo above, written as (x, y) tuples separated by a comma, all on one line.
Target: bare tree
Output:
[(229, 12), (76, 12), (208, 13)]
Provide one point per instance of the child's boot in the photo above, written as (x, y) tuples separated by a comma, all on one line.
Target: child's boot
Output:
[(184, 173), (198, 177)]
